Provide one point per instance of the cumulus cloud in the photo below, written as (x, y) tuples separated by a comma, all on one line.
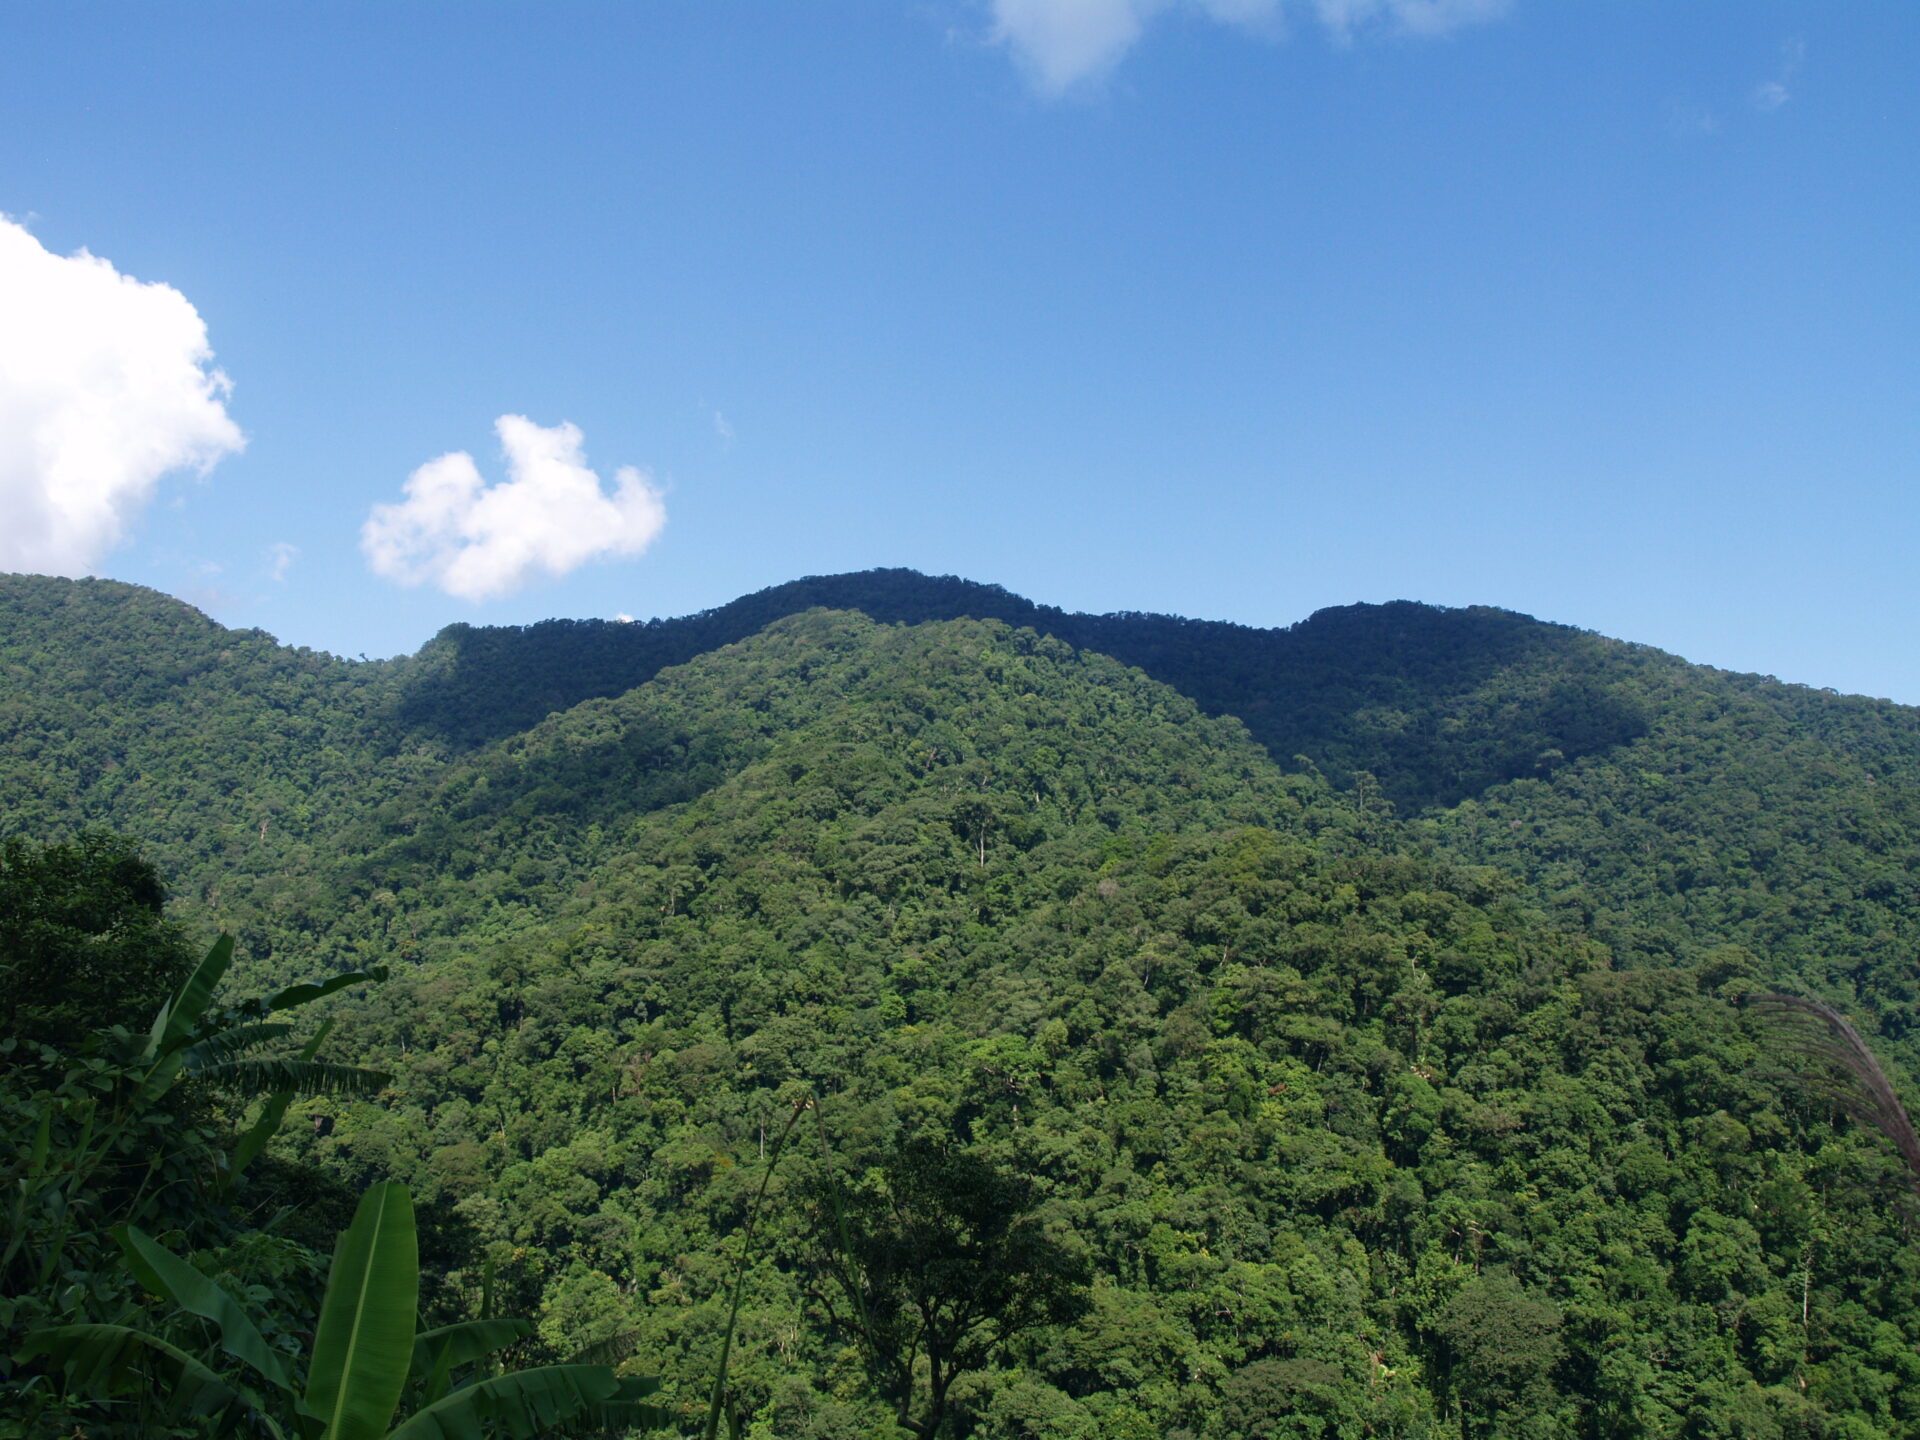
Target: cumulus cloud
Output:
[(550, 515), (106, 385), (1068, 44)]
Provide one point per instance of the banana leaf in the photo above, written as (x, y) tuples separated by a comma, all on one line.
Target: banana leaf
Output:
[(625, 1410), (272, 1115), (438, 1353), (521, 1405), (186, 1008), (107, 1360), (305, 994), (364, 1345), (165, 1273), (228, 1041), (306, 1077)]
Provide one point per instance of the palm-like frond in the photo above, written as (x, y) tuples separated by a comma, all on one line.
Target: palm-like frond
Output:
[(165, 1273), (363, 1346), (624, 1411), (249, 1146), (523, 1404), (295, 995), (231, 1040), (302, 1077), (178, 1017), (438, 1353), (1843, 1070)]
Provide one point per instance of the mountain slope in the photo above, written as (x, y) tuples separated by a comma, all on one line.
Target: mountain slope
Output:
[(1356, 1139), (1670, 808), (1323, 1114), (1437, 703)]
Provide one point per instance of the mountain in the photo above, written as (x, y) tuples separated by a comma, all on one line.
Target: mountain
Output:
[(1409, 1101), (1671, 808), (1437, 703)]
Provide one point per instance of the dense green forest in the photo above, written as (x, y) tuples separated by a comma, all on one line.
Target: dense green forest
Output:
[(1347, 1015)]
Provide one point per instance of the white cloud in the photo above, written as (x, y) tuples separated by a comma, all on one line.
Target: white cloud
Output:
[(106, 385), (477, 541), (1063, 43), (1343, 18), (280, 557), (1771, 95), (1068, 44)]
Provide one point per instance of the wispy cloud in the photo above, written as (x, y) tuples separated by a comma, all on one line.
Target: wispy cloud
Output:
[(1346, 18), (1772, 94), (550, 515), (280, 557), (1065, 45), (106, 385), (723, 429)]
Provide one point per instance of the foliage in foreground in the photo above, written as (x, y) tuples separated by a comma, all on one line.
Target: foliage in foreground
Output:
[(366, 1355), (133, 1127)]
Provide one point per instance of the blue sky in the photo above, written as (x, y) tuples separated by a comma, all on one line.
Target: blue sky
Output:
[(1605, 312)]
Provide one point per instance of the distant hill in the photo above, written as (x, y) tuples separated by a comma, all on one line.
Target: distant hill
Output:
[(1436, 703), (1669, 807)]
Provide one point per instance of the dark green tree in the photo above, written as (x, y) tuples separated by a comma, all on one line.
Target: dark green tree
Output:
[(1503, 1344), (935, 1264), (83, 942)]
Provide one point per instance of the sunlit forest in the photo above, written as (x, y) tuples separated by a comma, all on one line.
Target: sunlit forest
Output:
[(885, 1006)]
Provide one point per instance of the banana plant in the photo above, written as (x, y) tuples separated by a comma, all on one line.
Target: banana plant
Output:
[(110, 1132), (366, 1356)]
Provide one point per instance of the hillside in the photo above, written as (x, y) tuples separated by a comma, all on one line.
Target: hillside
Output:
[(1372, 1108), (1343, 1132), (1671, 808), (1437, 703)]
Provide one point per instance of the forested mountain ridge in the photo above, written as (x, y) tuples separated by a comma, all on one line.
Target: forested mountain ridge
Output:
[(1436, 703), (1671, 807), (1352, 1141), (1439, 1124)]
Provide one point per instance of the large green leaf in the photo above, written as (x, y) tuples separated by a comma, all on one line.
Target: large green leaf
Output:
[(229, 1040), (520, 1405), (271, 1116), (165, 1273), (625, 1410), (305, 1077), (438, 1353), (186, 1008), (306, 994), (364, 1345), (107, 1360), (177, 1019)]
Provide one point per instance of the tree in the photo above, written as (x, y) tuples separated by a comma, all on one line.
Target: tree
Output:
[(935, 1264), (1503, 1343), (83, 943), (1838, 1067)]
